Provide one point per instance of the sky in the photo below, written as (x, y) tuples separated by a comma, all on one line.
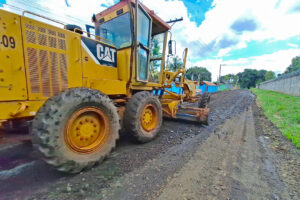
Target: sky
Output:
[(239, 34)]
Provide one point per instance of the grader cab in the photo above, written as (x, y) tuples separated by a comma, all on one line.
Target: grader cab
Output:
[(79, 89)]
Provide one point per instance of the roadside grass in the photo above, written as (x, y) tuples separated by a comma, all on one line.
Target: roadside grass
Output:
[(283, 110)]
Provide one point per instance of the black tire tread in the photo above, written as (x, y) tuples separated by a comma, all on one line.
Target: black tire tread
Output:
[(132, 118), (49, 117)]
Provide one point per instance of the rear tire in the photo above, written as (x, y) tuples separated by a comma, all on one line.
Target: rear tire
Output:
[(143, 116), (76, 129)]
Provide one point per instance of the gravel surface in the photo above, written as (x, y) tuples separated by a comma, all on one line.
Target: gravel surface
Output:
[(144, 171)]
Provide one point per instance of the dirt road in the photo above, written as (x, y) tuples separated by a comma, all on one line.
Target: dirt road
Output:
[(240, 155), (229, 165)]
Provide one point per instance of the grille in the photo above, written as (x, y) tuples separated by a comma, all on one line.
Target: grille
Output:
[(30, 37), (61, 44), (54, 72), (46, 60), (33, 70), (63, 71), (45, 73), (42, 40), (52, 42)]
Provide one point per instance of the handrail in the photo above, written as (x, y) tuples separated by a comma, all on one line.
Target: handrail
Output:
[(41, 16), (53, 20)]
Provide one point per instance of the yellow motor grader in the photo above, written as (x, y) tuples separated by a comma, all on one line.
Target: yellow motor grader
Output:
[(79, 89)]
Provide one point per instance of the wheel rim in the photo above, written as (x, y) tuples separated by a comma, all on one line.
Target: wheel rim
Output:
[(149, 118), (87, 130)]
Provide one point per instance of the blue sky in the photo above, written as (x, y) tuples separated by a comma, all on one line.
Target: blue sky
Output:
[(257, 34), (197, 9)]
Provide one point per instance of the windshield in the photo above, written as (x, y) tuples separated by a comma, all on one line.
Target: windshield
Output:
[(117, 30)]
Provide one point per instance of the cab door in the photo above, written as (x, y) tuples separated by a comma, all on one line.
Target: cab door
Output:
[(143, 29)]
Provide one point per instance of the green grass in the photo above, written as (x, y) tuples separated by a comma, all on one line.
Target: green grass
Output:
[(283, 110)]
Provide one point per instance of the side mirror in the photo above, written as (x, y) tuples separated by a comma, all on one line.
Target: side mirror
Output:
[(172, 47)]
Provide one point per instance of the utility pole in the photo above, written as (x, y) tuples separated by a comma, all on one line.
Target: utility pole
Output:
[(220, 71)]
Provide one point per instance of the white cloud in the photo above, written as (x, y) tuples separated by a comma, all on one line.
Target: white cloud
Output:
[(293, 45), (223, 52), (277, 62), (272, 23)]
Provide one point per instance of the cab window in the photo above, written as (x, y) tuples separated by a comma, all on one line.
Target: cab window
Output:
[(117, 30)]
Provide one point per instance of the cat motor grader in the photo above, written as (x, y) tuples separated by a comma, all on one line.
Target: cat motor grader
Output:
[(79, 89)]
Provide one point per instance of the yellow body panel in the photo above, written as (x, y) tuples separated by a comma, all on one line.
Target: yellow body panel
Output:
[(8, 109), (12, 70), (52, 59), (123, 64), (109, 87)]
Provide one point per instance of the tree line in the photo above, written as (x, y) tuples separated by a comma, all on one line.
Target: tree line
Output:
[(251, 77), (248, 78)]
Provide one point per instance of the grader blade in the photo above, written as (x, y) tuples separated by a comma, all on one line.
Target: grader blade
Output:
[(194, 114)]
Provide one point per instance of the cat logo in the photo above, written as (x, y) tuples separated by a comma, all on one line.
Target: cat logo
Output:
[(101, 54), (106, 53)]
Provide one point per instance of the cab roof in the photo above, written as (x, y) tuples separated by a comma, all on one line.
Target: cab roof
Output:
[(158, 25)]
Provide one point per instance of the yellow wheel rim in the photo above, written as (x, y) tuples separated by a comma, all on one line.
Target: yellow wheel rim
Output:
[(149, 118), (87, 130)]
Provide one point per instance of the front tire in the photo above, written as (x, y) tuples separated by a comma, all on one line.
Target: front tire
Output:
[(76, 129), (143, 116)]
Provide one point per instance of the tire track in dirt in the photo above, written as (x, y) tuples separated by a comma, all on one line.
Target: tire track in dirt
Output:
[(228, 166)]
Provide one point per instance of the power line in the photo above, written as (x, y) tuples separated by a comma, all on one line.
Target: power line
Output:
[(44, 10)]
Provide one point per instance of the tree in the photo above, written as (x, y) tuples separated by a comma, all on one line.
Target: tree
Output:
[(269, 75), (229, 78), (175, 64), (247, 78), (251, 77), (198, 74), (295, 65)]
